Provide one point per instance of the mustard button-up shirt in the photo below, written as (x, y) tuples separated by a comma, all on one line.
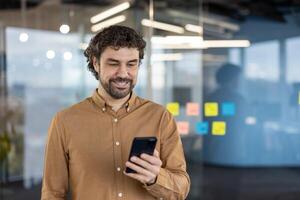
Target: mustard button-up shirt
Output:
[(89, 143)]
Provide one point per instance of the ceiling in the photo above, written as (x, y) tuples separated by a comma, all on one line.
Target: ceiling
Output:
[(50, 14), (239, 10)]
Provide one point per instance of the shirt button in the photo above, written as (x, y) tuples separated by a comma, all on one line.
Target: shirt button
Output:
[(119, 169), (115, 120), (103, 109), (120, 194), (117, 143)]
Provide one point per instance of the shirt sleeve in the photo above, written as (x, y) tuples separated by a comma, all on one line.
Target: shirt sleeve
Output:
[(173, 181), (55, 178)]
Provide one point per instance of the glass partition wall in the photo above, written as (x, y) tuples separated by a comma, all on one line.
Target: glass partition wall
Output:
[(226, 73), (45, 71), (251, 98)]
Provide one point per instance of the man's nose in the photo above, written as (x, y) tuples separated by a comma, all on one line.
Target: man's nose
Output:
[(122, 71)]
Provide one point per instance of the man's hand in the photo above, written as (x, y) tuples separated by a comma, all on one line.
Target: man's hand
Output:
[(147, 167)]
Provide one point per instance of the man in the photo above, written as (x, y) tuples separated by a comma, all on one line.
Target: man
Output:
[(89, 143)]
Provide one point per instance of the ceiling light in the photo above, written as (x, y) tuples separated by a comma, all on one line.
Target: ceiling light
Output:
[(195, 42), (226, 43), (110, 12), (64, 28), (50, 54), (178, 46), (177, 42), (108, 22), (163, 26), (194, 28), (23, 37), (68, 55)]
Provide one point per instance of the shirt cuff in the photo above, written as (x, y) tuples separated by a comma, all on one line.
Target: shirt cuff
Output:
[(160, 181)]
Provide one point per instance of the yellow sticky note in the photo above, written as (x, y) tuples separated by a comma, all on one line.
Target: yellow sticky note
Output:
[(183, 127), (192, 109), (211, 109), (219, 128), (173, 108)]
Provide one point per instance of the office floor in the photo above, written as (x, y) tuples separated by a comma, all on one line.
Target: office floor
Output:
[(221, 183), (215, 183)]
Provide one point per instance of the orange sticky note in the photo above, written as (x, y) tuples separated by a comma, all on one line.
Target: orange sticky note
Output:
[(183, 127), (219, 128), (173, 108), (192, 109), (211, 109)]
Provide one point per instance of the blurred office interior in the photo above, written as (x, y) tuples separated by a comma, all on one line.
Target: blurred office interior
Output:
[(228, 70)]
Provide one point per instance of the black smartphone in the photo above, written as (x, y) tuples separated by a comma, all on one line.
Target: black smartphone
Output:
[(139, 146)]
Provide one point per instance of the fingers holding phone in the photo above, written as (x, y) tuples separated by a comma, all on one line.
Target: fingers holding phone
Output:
[(144, 163), (147, 168), (155, 160)]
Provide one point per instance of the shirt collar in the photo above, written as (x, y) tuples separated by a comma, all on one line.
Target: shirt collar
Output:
[(99, 100)]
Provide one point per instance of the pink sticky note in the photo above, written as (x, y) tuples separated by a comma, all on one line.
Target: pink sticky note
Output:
[(192, 109), (183, 127)]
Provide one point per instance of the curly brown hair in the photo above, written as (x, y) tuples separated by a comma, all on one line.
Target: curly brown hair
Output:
[(114, 36)]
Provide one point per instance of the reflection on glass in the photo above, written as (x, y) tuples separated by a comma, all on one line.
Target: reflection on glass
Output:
[(44, 75), (262, 61), (293, 54)]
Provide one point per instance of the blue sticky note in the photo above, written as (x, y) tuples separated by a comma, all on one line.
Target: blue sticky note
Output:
[(228, 109), (202, 128)]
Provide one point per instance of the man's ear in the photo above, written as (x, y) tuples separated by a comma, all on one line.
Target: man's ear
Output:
[(96, 64)]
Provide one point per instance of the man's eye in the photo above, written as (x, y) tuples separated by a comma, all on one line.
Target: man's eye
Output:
[(131, 65), (113, 64)]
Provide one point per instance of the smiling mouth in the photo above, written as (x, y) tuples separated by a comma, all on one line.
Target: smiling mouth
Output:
[(121, 84)]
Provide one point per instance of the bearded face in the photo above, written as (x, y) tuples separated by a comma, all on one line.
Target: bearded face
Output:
[(118, 70), (118, 87)]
